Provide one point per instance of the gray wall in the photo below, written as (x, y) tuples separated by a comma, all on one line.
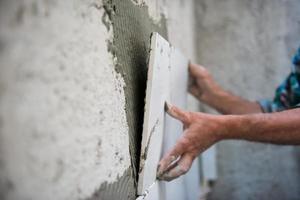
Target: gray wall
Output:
[(247, 46), (72, 86), (63, 126)]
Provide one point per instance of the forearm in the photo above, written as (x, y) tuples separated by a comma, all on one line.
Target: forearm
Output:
[(227, 103), (278, 128)]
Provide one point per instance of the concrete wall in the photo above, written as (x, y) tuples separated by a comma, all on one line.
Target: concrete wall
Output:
[(63, 125), (247, 46), (72, 83)]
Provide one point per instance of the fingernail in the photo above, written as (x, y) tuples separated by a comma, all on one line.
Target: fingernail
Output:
[(167, 106)]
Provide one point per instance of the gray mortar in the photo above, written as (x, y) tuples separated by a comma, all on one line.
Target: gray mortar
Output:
[(121, 189), (132, 28)]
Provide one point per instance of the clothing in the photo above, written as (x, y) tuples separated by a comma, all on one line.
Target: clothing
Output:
[(287, 95)]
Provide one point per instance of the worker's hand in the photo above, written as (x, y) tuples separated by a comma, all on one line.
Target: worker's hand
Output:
[(202, 85), (200, 132)]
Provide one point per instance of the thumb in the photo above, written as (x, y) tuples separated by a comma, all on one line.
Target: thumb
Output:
[(196, 70), (177, 113)]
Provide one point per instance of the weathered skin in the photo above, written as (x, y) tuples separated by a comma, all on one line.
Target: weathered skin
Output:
[(206, 90), (203, 130)]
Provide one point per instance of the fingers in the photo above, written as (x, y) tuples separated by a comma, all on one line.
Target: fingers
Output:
[(180, 168), (195, 91), (177, 113), (171, 157)]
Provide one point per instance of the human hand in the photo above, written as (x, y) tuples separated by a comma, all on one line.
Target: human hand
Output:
[(200, 132), (202, 85)]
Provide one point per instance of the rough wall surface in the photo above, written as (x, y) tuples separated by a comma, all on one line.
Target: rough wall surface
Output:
[(247, 46), (131, 45), (63, 129), (72, 88)]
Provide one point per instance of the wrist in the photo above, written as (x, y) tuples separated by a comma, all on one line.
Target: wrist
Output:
[(210, 96), (242, 126), (233, 126), (216, 99), (221, 126)]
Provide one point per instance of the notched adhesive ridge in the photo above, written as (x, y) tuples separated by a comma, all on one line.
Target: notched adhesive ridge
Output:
[(130, 46)]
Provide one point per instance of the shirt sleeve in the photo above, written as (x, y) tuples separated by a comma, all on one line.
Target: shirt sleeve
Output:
[(269, 106), (287, 95)]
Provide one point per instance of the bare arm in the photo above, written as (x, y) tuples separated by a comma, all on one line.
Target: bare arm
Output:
[(205, 89), (228, 103), (203, 130), (278, 128)]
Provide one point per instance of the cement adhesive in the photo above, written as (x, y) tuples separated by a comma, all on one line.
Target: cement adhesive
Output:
[(130, 46)]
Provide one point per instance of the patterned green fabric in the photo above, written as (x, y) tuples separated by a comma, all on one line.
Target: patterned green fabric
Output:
[(287, 95)]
